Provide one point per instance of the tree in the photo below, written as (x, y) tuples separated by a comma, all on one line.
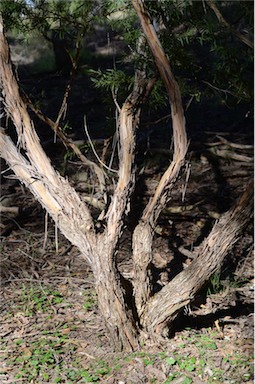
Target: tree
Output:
[(146, 314)]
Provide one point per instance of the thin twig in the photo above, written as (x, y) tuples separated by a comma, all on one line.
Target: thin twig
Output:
[(45, 231), (83, 281), (9, 209), (74, 61), (235, 145), (93, 148), (218, 89), (67, 141), (56, 235)]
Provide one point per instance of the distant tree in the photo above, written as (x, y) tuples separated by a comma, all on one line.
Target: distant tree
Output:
[(184, 28)]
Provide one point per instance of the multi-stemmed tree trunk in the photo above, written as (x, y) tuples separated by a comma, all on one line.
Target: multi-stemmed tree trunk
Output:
[(151, 313)]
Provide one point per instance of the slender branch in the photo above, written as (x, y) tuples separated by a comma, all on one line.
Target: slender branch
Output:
[(224, 22), (74, 62), (128, 121), (218, 89), (93, 148), (67, 141), (143, 234), (178, 120)]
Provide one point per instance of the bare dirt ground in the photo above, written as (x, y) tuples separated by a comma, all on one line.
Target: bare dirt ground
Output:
[(50, 328)]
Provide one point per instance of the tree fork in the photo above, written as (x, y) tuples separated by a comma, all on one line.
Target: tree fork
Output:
[(63, 203), (142, 250)]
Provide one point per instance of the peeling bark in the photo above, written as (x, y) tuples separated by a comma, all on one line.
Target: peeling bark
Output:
[(53, 191), (143, 235), (163, 308), (111, 299), (69, 212)]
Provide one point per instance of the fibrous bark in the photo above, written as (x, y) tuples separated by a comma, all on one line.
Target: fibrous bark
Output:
[(69, 212), (35, 170), (143, 234), (166, 305)]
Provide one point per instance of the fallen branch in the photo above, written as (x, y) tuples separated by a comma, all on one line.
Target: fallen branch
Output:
[(4, 209)]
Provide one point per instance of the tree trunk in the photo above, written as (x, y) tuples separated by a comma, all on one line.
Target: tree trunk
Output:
[(112, 298), (70, 213)]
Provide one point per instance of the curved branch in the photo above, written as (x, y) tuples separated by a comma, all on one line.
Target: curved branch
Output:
[(178, 120), (128, 121), (53, 191), (143, 234)]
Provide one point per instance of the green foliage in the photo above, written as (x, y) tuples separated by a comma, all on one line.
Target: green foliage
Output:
[(215, 284), (111, 79), (40, 15), (170, 360), (53, 357), (63, 24), (38, 358), (122, 18), (158, 97), (206, 56), (42, 360)]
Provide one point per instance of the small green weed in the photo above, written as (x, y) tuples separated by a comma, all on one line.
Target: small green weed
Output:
[(102, 368), (188, 364), (36, 299), (172, 376), (215, 284), (38, 358), (76, 375), (204, 342), (44, 361), (170, 360), (148, 361), (90, 300), (183, 363)]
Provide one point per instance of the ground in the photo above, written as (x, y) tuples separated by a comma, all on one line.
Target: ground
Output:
[(51, 331)]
